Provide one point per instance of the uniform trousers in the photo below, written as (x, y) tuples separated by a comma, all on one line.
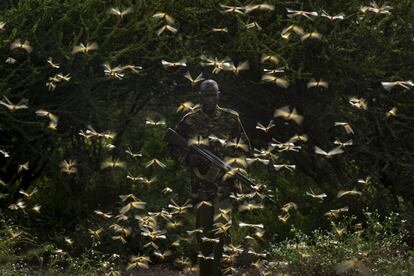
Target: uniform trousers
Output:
[(207, 216)]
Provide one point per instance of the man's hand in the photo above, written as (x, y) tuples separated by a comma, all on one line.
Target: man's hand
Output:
[(196, 161)]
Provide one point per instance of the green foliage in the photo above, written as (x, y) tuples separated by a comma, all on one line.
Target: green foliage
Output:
[(380, 248)]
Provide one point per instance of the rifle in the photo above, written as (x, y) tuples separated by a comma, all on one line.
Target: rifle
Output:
[(217, 165)]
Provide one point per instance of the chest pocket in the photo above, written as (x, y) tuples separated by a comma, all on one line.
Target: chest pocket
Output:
[(220, 129)]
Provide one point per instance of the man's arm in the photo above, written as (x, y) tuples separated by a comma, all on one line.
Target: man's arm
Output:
[(184, 156), (180, 154), (239, 133), (244, 137)]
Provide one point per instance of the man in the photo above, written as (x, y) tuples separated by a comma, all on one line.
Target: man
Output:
[(220, 131)]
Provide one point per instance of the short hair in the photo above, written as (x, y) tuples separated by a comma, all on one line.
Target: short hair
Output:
[(209, 85)]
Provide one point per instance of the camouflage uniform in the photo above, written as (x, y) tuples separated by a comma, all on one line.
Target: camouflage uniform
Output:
[(224, 123)]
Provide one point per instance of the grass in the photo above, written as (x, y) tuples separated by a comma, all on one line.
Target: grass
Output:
[(378, 247)]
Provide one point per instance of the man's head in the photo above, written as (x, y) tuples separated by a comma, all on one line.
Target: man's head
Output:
[(209, 95)]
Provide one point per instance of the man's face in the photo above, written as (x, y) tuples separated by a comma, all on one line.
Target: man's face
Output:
[(209, 99)]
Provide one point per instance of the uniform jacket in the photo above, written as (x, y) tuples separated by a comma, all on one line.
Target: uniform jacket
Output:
[(203, 129)]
